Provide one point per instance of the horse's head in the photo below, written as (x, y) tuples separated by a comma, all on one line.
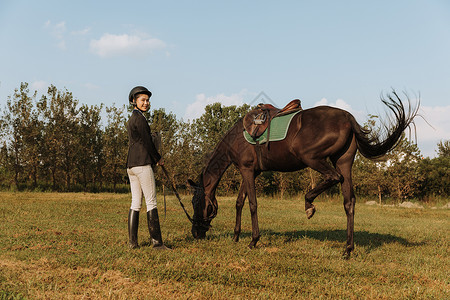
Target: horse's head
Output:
[(205, 209)]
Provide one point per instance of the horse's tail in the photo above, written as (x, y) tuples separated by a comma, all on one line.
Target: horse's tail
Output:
[(373, 144)]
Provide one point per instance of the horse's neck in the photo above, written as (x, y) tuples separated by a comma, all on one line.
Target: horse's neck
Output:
[(218, 163)]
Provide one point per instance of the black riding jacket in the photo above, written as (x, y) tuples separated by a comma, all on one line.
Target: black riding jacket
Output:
[(142, 150)]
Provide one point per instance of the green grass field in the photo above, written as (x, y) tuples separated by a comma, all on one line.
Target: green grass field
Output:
[(74, 246)]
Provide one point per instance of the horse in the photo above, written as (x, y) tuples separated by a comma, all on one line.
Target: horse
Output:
[(323, 138)]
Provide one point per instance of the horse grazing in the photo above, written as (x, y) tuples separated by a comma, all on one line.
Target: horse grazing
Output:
[(314, 136)]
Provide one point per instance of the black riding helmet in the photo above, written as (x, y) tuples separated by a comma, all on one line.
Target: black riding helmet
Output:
[(138, 90)]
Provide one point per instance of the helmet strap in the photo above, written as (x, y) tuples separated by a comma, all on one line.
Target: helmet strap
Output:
[(134, 102)]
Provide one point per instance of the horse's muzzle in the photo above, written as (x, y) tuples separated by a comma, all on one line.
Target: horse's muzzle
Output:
[(199, 230)]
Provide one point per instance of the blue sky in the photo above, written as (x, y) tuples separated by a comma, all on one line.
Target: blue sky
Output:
[(191, 53)]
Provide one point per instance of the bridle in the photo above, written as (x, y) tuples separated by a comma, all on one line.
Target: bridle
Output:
[(199, 222)]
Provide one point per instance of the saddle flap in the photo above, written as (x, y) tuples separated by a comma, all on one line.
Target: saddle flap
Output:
[(256, 122)]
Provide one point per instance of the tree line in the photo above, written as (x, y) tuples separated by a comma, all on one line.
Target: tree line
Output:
[(57, 144)]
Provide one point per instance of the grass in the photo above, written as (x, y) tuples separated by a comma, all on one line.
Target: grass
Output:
[(66, 246)]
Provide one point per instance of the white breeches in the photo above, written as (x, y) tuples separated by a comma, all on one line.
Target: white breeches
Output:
[(142, 180)]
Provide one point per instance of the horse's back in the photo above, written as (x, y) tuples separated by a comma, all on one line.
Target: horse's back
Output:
[(320, 130), (322, 118), (325, 113)]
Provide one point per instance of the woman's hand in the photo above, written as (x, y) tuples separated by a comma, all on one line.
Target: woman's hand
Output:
[(160, 162)]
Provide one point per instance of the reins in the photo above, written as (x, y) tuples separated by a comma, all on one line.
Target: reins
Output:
[(176, 194)]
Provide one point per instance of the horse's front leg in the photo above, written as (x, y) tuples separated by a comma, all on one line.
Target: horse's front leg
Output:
[(249, 179), (239, 205)]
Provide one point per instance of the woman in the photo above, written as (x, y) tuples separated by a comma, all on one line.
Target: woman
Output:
[(142, 157)]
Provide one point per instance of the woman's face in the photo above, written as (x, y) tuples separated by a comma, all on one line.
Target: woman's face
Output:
[(142, 102)]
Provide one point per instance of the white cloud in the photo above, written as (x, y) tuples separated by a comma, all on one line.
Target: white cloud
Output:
[(110, 45), (81, 32), (40, 86), (58, 32), (359, 115), (61, 45), (197, 108), (429, 136)]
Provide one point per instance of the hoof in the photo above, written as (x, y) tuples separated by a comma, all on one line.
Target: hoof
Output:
[(346, 254), (236, 238), (162, 248), (253, 243), (133, 246), (310, 212)]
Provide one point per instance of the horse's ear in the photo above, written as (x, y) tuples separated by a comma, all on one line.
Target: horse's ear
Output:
[(192, 183)]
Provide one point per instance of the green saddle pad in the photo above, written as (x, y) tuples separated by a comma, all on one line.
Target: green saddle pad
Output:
[(278, 130)]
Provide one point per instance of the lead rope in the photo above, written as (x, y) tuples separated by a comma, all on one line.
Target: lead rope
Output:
[(164, 195), (176, 194)]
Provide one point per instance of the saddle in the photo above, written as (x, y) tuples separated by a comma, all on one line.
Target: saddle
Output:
[(258, 120)]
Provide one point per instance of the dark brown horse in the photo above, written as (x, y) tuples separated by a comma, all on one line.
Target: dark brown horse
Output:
[(315, 137)]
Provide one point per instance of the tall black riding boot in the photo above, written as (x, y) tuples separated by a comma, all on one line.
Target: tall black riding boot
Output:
[(155, 230), (133, 225)]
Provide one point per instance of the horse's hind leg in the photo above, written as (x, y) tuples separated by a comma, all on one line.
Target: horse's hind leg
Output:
[(349, 206), (331, 177), (344, 166), (239, 205)]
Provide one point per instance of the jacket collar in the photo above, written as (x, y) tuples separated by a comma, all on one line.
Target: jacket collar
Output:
[(139, 111)]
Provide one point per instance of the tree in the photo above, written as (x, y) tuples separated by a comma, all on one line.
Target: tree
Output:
[(5, 166), (22, 130), (403, 173), (436, 171), (90, 160), (187, 156), (444, 148), (442, 167), (369, 177), (168, 128), (115, 145), (215, 122), (61, 113), (283, 182)]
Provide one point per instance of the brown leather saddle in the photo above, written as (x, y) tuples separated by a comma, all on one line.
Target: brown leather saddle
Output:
[(258, 120)]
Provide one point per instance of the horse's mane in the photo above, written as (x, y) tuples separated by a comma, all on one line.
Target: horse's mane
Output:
[(209, 155)]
